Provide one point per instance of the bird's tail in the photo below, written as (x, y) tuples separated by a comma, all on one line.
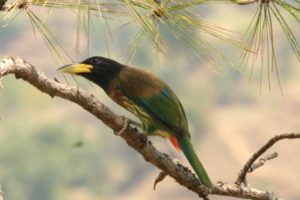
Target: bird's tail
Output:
[(189, 152)]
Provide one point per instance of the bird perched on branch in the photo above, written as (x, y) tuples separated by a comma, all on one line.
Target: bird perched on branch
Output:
[(146, 96)]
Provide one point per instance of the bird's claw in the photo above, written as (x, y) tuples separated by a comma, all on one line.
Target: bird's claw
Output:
[(137, 124), (128, 122), (125, 126)]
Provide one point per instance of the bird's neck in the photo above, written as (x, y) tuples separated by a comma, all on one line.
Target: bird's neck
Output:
[(104, 77)]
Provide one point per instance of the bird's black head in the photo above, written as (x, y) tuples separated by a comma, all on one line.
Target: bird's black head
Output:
[(97, 69)]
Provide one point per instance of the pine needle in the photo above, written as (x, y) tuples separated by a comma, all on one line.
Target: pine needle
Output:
[(261, 40), (50, 40), (183, 23)]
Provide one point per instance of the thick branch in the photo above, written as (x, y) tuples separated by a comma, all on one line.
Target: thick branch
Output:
[(137, 140), (242, 175)]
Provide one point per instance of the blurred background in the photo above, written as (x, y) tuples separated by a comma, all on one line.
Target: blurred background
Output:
[(52, 149)]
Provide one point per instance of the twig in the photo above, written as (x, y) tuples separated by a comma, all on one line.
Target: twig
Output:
[(261, 162), (22, 69), (162, 175), (242, 175)]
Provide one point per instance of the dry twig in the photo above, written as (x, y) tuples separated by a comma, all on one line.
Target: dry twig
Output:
[(242, 175), (261, 162), (162, 175)]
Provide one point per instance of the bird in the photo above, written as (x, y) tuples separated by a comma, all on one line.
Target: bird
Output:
[(146, 96)]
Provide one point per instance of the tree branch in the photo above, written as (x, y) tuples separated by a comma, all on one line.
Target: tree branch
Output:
[(22, 69), (242, 175)]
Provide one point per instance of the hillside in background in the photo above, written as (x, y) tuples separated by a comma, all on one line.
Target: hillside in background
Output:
[(229, 119)]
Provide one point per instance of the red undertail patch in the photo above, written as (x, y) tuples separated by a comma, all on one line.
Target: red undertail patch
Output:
[(175, 143)]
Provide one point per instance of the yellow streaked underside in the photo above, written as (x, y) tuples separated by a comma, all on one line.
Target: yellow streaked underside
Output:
[(148, 123)]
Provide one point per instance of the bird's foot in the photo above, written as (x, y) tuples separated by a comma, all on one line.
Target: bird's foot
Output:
[(128, 122), (125, 126), (134, 123)]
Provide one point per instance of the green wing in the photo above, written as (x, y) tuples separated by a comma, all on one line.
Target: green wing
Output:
[(154, 97)]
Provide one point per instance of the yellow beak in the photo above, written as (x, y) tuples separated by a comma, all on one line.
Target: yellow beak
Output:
[(76, 68)]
